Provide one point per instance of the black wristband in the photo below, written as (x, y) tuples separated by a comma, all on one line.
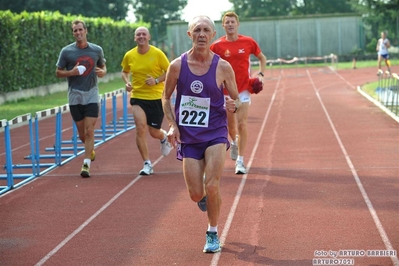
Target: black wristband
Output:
[(260, 73)]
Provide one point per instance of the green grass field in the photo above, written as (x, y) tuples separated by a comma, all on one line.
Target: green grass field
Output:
[(340, 65), (369, 88), (363, 64), (11, 110)]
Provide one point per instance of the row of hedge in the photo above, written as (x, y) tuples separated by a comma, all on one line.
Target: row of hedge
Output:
[(31, 42)]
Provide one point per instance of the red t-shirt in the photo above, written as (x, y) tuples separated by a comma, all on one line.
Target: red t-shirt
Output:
[(238, 53)]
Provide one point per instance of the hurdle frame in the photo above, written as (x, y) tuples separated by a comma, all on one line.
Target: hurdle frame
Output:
[(108, 130)]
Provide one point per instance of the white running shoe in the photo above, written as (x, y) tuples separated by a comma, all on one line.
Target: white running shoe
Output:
[(147, 169), (240, 168), (166, 147)]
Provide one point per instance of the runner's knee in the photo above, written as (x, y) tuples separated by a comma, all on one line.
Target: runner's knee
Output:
[(196, 195)]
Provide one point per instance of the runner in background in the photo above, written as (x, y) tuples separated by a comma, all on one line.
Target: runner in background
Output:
[(81, 63), (237, 49), (382, 48), (147, 67)]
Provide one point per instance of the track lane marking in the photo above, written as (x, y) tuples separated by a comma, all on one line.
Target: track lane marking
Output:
[(237, 198), (366, 198), (88, 221), (347, 82)]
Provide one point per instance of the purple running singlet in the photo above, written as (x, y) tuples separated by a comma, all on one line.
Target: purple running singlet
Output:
[(200, 106)]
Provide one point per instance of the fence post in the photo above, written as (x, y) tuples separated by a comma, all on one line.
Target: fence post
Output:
[(380, 80), (396, 93)]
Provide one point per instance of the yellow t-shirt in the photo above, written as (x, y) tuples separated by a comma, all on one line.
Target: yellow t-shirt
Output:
[(153, 63)]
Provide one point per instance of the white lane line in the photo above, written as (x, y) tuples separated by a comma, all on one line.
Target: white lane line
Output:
[(347, 82), (88, 221), (367, 200), (233, 208)]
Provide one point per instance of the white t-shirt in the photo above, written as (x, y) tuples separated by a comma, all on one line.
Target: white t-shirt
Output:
[(382, 48)]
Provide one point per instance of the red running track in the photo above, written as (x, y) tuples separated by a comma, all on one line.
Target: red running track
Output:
[(323, 176)]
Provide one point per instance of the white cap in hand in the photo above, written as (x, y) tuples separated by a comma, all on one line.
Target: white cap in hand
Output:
[(81, 69)]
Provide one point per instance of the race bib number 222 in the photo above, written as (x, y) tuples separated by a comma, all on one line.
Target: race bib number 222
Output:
[(194, 111)]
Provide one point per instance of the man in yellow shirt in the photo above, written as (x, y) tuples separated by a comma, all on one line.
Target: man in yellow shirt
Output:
[(147, 66)]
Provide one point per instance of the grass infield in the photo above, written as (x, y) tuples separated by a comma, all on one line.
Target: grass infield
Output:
[(369, 88), (339, 65), (9, 110)]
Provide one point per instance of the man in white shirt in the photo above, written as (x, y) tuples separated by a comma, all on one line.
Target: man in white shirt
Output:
[(382, 48)]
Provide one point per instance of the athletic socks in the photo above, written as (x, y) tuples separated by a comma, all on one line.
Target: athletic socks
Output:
[(165, 136), (212, 228), (87, 161)]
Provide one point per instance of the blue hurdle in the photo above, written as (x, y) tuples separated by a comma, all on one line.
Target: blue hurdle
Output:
[(9, 166), (108, 131)]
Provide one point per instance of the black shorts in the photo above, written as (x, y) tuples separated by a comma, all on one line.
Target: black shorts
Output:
[(79, 111), (152, 109)]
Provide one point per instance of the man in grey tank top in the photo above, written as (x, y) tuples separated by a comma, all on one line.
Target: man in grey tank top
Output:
[(199, 129), (81, 63)]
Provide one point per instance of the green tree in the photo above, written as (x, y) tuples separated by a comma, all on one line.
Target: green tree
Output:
[(263, 8), (268, 8), (379, 15), (115, 9), (307, 7), (157, 13)]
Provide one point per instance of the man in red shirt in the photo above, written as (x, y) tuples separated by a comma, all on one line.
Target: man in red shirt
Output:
[(237, 49)]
